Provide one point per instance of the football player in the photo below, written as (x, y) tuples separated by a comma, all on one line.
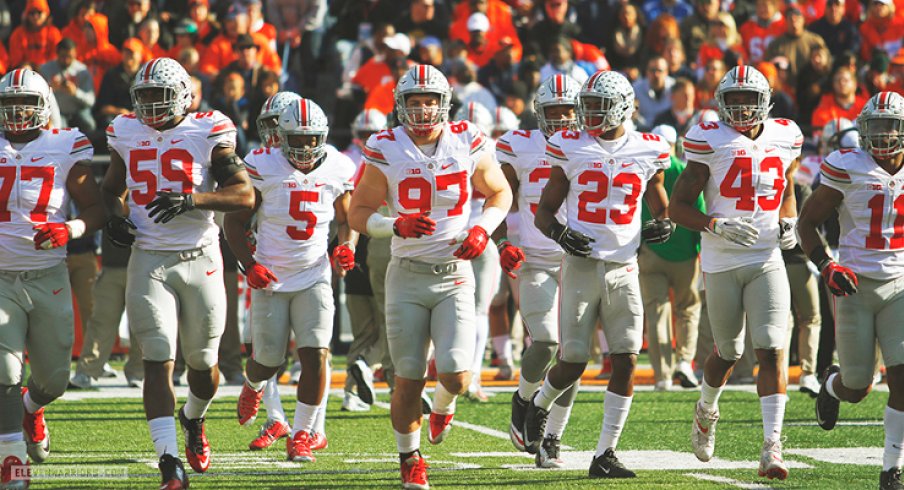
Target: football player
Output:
[(522, 154), (486, 265), (42, 170), (177, 168), (300, 187), (426, 170), (600, 172), (744, 164), (864, 185)]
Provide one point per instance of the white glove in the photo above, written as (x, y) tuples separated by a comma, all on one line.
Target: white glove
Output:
[(787, 233), (735, 230)]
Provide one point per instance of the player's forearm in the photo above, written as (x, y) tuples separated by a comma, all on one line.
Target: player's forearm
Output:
[(94, 216), (500, 233), (789, 204), (545, 219), (687, 215), (113, 203), (346, 234), (495, 210), (358, 216), (810, 239), (234, 197), (234, 231)]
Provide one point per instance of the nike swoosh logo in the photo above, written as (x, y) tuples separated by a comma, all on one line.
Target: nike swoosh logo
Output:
[(605, 470), (320, 185), (459, 283), (702, 429), (180, 140), (210, 273), (630, 269), (57, 291), (447, 166), (35, 159), (770, 150), (626, 165)]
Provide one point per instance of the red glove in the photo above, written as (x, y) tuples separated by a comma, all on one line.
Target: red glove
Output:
[(50, 235), (510, 257), (343, 258), (473, 245), (414, 225), (840, 280), (259, 276)]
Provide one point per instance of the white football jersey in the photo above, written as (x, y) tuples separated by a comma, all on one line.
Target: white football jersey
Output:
[(32, 191), (478, 200), (440, 184), (746, 180), (177, 160), (871, 215), (525, 151), (607, 181), (295, 213)]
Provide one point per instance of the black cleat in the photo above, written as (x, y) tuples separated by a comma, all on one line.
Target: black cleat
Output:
[(826, 404), (891, 480), (608, 466), (516, 430), (172, 473), (426, 404), (534, 426)]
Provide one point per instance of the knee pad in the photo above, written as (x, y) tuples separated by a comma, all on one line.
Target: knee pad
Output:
[(10, 370), (576, 352), (45, 391), (857, 378), (536, 359), (201, 360), (11, 408)]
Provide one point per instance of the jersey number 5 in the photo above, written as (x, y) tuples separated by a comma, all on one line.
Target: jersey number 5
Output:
[(168, 172), (744, 191)]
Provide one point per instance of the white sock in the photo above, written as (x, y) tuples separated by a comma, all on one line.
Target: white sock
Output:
[(709, 395), (830, 388), (320, 419), (163, 433), (272, 402), (30, 405), (773, 408), (12, 437), (615, 413), (558, 419), (304, 417), (482, 322), (604, 345), (548, 395), (195, 407), (502, 345), (407, 443), (894, 439), (443, 400), (256, 385), (526, 389)]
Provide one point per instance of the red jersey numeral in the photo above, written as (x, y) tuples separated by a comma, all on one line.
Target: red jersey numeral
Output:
[(386, 134), (875, 240), (602, 190), (571, 135), (296, 198), (169, 172), (459, 179), (521, 132), (706, 126), (535, 176), (459, 127), (738, 184), (8, 179), (416, 193)]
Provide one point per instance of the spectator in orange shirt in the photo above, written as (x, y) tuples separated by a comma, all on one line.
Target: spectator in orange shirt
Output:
[(376, 70), (480, 52), (185, 35), (257, 24), (149, 34), (881, 29), (499, 14), (659, 31), (98, 55), (761, 29), (843, 101), (381, 97), (812, 9), (199, 13), (723, 43), (896, 72), (4, 59), (36, 39), (85, 10), (706, 86), (220, 52)]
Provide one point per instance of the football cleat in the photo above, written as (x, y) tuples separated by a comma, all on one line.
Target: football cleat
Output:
[(772, 465), (703, 434), (505, 373), (298, 448), (172, 473), (549, 454), (318, 441), (440, 425), (606, 370), (37, 436), (14, 473), (476, 396), (607, 465), (80, 381), (271, 432), (826, 404), (516, 428), (809, 385), (351, 403), (426, 404), (248, 405), (685, 375), (414, 472), (364, 380), (534, 426), (197, 448), (891, 480)]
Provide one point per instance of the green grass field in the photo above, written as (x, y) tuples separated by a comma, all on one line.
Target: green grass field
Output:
[(111, 434)]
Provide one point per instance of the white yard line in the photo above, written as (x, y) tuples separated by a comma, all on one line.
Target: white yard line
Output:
[(728, 481)]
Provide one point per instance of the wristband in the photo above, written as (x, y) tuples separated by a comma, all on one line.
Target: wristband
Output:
[(491, 218), (379, 226), (76, 228)]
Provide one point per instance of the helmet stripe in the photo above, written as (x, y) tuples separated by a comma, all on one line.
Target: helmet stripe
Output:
[(742, 74), (594, 77), (883, 99), (559, 84), (303, 105), (421, 74), (17, 77), (148, 69)]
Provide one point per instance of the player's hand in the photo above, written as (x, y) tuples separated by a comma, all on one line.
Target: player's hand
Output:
[(840, 280), (119, 231), (168, 205), (414, 225), (657, 230), (472, 244), (259, 276), (50, 235), (787, 235), (573, 242), (343, 259), (510, 257), (735, 230)]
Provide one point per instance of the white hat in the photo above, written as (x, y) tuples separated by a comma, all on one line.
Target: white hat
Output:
[(666, 132), (399, 42), (478, 22)]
